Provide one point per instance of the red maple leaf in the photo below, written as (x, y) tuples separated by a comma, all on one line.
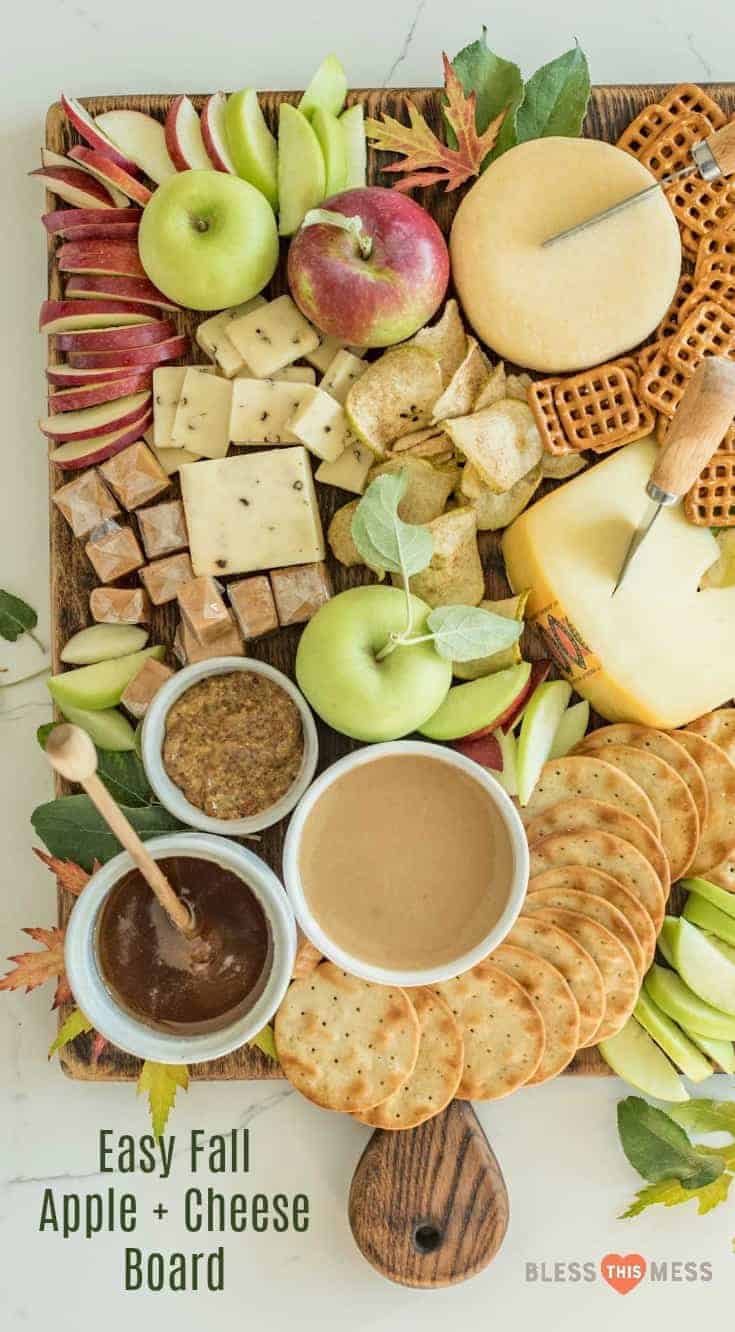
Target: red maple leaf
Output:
[(34, 969), (68, 874)]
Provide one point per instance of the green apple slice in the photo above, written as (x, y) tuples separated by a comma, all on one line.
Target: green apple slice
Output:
[(478, 705), (665, 941), (352, 123), (334, 149), (676, 999), (327, 89), (711, 893), (710, 918), (541, 718), (671, 1039), (103, 642), (301, 171), (635, 1057), (704, 968), (101, 685), (571, 729), (508, 778), (723, 1052), (107, 727), (251, 144)]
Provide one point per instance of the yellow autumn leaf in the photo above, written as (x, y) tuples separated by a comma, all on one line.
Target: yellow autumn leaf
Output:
[(74, 1026), (266, 1042), (161, 1082)]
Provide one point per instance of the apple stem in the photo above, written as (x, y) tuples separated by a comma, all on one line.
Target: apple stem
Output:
[(324, 217)]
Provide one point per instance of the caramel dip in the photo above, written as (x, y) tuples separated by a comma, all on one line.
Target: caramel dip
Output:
[(405, 862), (234, 744)]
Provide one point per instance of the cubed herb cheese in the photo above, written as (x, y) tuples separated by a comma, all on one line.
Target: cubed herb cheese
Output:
[(350, 470), (320, 423), (272, 337), (297, 374), (168, 382), (202, 422), (341, 374), (261, 408), (214, 342)]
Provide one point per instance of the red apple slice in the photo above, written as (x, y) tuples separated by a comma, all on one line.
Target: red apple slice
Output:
[(111, 175), (121, 231), (114, 257), (89, 422), (484, 749), (52, 159), (508, 718), (66, 316), (214, 133), (85, 125), (184, 137), (84, 287), (122, 336), (86, 452), (142, 138), (170, 350), (89, 395), (65, 376), (74, 186), (69, 219)]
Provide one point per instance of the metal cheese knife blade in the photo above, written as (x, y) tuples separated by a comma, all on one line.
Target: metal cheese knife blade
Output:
[(703, 417), (712, 158)]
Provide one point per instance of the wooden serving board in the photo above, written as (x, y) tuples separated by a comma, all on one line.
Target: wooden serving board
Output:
[(72, 577)]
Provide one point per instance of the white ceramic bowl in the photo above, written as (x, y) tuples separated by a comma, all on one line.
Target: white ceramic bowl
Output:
[(356, 965), (113, 1021), (154, 732)]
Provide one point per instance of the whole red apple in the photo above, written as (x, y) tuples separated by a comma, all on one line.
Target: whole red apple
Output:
[(371, 268)]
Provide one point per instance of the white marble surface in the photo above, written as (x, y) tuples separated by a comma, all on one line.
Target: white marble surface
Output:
[(558, 1145)]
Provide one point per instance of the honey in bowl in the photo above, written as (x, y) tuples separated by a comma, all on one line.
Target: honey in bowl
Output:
[(179, 984)]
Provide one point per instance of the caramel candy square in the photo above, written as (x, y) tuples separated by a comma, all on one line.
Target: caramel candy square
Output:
[(202, 609), (255, 610), (119, 605), (85, 503), (300, 590), (135, 475), (164, 578), (163, 529), (139, 691), (229, 643), (114, 551)]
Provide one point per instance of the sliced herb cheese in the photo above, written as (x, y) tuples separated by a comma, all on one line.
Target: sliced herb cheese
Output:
[(261, 408), (320, 423), (202, 421), (341, 374), (273, 336), (214, 342), (350, 470)]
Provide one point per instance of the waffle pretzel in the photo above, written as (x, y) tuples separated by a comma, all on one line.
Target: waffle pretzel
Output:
[(689, 97), (715, 286), (708, 331), (711, 500), (703, 206), (671, 150), (540, 398), (670, 322), (716, 254), (598, 409), (662, 385), (644, 129)]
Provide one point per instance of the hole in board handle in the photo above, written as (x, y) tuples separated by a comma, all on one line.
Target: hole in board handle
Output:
[(427, 1237)]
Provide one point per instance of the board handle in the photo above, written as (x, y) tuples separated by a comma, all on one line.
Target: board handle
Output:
[(428, 1206), (722, 147), (702, 419)]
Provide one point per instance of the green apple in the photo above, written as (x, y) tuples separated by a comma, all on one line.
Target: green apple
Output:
[(352, 124), (676, 999), (302, 176), (327, 89), (338, 670), (571, 729), (710, 918), (704, 968), (108, 728), (208, 240), (252, 146), (334, 150), (476, 706), (635, 1057), (671, 1039), (101, 685), (711, 893), (541, 718), (723, 1052), (103, 642)]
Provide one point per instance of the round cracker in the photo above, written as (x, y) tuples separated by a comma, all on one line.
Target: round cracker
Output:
[(436, 1074), (573, 961), (723, 875), (571, 815), (582, 878), (555, 1002), (601, 851), (597, 908), (717, 836), (503, 1031), (719, 727), (672, 801), (619, 976), (665, 746), (580, 775), (345, 1043)]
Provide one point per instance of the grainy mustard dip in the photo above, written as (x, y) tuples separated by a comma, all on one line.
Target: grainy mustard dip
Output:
[(234, 744)]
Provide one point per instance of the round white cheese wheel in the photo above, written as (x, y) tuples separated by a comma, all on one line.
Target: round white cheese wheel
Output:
[(586, 299)]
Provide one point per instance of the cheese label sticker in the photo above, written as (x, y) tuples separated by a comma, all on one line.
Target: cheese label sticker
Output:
[(567, 649)]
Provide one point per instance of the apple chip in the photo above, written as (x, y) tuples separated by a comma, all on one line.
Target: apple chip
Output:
[(427, 490), (395, 394), (459, 396), (513, 608), (446, 340), (501, 441), (517, 386), (493, 390), (339, 536), (455, 575), (497, 511), (560, 466)]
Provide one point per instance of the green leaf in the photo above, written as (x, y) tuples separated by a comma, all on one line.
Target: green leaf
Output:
[(670, 1192), (265, 1041), (72, 829), (659, 1149), (16, 617), (497, 83), (705, 1116), (124, 776), (462, 633), (44, 731), (385, 542), (555, 98), (76, 1024), (161, 1082)]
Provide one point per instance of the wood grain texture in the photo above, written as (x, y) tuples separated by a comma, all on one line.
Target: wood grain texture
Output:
[(430, 1208), (72, 577)]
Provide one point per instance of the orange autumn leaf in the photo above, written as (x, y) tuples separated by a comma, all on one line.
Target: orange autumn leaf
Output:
[(34, 969), (426, 158), (70, 875)]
